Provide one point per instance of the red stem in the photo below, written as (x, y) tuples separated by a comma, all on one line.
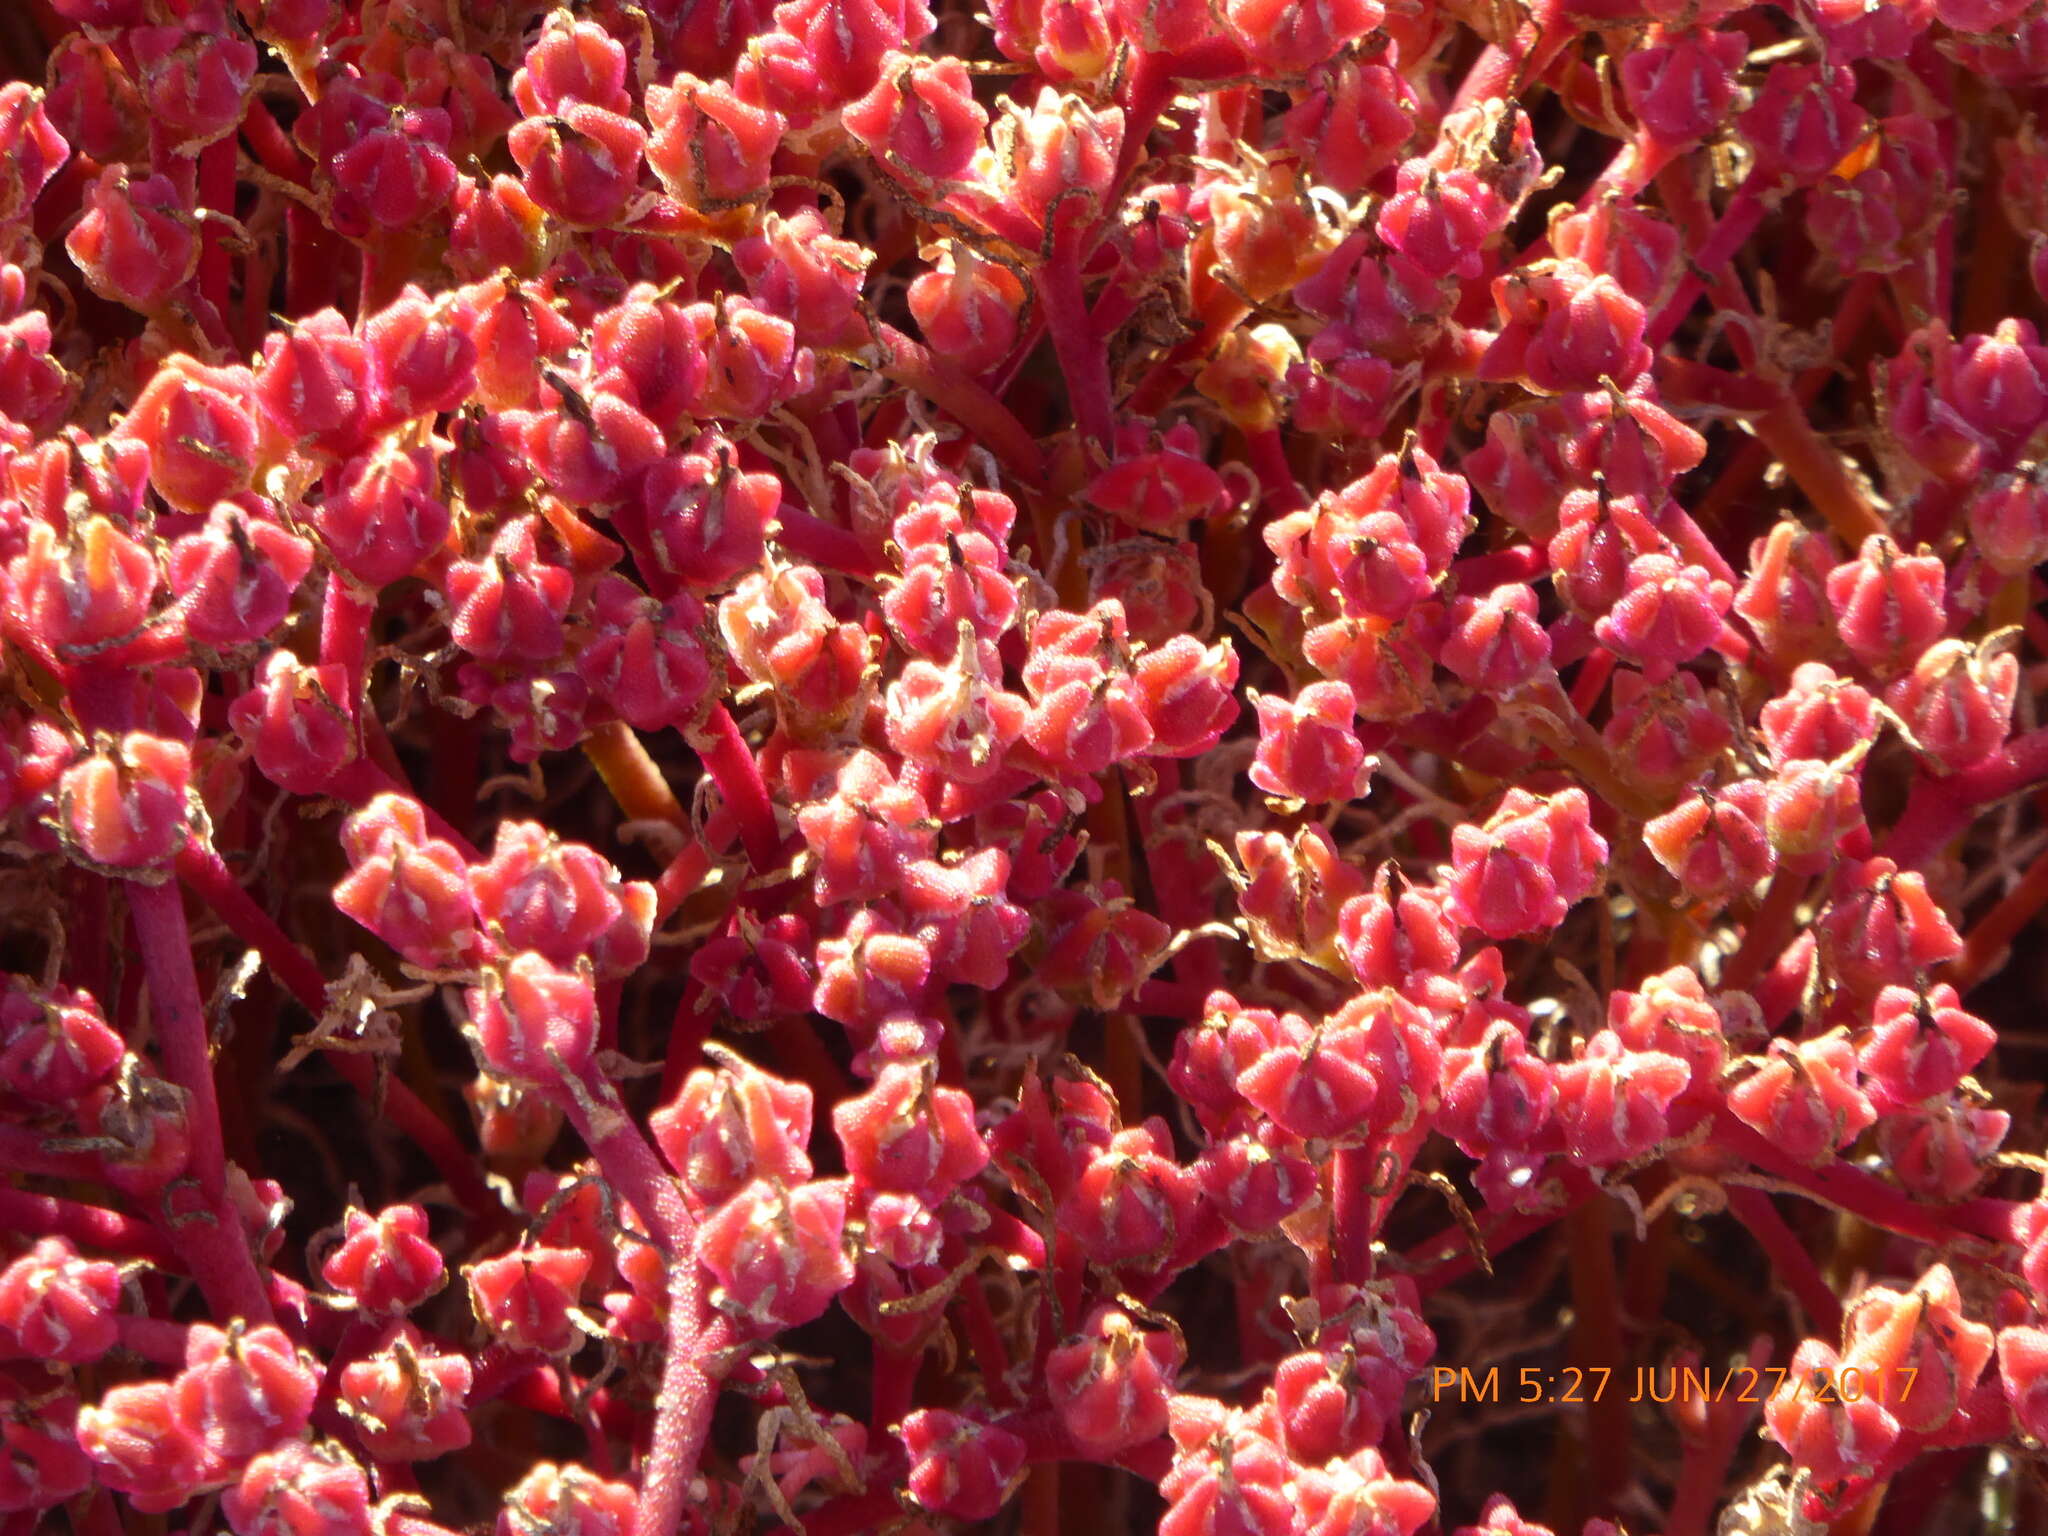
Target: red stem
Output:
[(201, 869), (86, 1225), (1790, 1261), (222, 1263), (1939, 809), (730, 762), (683, 1405), (1084, 362)]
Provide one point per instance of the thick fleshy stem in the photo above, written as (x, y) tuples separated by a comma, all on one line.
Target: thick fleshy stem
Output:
[(1276, 477), (1790, 1262), (345, 617), (223, 1264), (87, 1225), (25, 1151), (1864, 1195), (731, 764), (1937, 809), (1084, 361), (209, 878), (688, 1391), (1985, 945), (905, 362), (1738, 221), (1703, 1471)]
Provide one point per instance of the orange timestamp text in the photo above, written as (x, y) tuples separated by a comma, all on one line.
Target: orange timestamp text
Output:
[(1672, 1384)]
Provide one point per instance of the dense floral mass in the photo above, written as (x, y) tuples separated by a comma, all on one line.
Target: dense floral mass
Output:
[(1128, 765)]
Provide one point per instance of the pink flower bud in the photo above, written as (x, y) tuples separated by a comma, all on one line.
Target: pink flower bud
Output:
[(1891, 1332), (757, 362), (645, 659), (950, 718), (1713, 843), (1530, 862), (55, 1045), (920, 117), (407, 1399), (865, 833), (1187, 692), (966, 307), (571, 61), (581, 164), (1496, 643), (31, 149), (509, 606), (1667, 613), (300, 1490), (85, 590), (1941, 1150), (731, 1126), (1130, 1202), (381, 515), (234, 578), (147, 1448), (1229, 1474), (196, 76), (2009, 521), (125, 807), (1158, 483), (411, 890), (200, 428), (535, 1022), (2023, 1372), (1290, 39), (711, 146), (43, 1465), (1882, 927), (57, 1306), (1355, 119), (497, 228), (1680, 84), (1888, 605), (1059, 147), (946, 583), (960, 1466), (313, 385), (778, 1253), (1921, 1045), (1841, 1445), (1957, 701), (397, 174), (1573, 328), (527, 1297), (1255, 1181), (1291, 892), (1804, 120), (245, 1389), (964, 917), (1099, 944), (1110, 1383), (1496, 1094), (873, 971), (1811, 811), (386, 1264), (1818, 716), (1612, 1102), (567, 1501), (1804, 1097), (298, 722), (905, 1133), (1307, 748), (514, 1124)]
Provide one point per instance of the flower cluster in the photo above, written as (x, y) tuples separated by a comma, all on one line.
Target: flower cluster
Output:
[(847, 765)]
